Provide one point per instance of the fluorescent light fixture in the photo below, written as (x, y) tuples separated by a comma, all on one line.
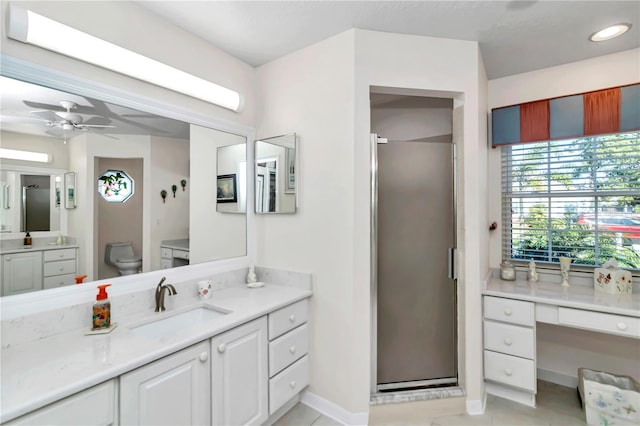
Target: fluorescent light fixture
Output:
[(610, 32), (15, 154), (29, 27)]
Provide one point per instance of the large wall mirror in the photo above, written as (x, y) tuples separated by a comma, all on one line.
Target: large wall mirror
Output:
[(276, 174), (171, 163)]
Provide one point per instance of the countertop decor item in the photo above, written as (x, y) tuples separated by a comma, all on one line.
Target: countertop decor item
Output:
[(565, 266), (611, 279), (507, 271), (532, 274), (204, 289)]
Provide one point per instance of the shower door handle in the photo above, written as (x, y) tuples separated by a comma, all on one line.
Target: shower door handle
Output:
[(451, 264)]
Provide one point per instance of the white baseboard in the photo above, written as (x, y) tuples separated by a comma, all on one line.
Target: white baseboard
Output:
[(282, 411), (333, 411), (476, 407), (557, 378)]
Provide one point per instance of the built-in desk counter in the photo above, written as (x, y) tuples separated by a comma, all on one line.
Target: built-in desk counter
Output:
[(174, 253), (511, 311)]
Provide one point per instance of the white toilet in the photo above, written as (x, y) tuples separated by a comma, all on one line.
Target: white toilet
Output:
[(121, 256)]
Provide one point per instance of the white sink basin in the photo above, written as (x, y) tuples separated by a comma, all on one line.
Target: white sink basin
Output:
[(175, 323)]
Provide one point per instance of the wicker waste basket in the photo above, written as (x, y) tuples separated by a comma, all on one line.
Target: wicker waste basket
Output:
[(608, 399)]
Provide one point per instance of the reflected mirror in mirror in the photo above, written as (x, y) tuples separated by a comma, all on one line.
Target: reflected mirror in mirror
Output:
[(89, 136), (276, 170)]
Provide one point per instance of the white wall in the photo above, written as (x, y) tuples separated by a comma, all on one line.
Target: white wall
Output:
[(55, 147), (311, 93), (128, 25), (562, 350), (169, 220), (322, 93), (212, 235)]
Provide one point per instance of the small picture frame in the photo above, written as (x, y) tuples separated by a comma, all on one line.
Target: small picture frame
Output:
[(290, 175), (226, 189), (70, 190)]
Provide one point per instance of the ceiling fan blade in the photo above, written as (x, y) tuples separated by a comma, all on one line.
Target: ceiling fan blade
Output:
[(45, 114), (55, 132), (95, 126), (103, 121), (41, 106), (103, 110)]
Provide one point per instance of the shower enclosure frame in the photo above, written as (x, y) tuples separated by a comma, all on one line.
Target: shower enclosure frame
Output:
[(375, 389)]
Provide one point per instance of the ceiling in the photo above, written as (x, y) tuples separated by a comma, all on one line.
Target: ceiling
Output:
[(31, 109), (514, 36)]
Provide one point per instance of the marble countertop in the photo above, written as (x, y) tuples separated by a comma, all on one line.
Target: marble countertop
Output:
[(575, 296), (36, 247), (38, 373), (182, 244)]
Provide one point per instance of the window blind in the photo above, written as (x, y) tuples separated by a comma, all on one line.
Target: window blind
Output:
[(578, 198)]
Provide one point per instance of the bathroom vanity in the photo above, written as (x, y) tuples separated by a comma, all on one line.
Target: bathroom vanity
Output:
[(42, 266), (239, 357), (514, 309), (174, 253)]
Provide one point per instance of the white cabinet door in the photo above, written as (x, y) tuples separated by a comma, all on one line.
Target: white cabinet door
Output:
[(174, 390), (21, 272), (239, 375)]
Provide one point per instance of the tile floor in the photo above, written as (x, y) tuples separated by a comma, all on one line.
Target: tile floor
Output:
[(557, 406)]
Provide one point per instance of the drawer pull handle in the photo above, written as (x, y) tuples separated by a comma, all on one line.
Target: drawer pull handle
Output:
[(8, 258), (507, 341), (222, 347), (292, 384), (508, 311), (292, 349), (61, 268), (508, 371), (622, 326), (292, 318), (61, 255), (204, 356)]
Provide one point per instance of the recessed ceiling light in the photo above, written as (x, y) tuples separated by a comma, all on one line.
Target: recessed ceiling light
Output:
[(610, 32)]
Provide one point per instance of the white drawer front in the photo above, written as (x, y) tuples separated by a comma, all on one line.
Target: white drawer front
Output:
[(600, 321), (509, 310), (509, 339), (94, 406), (288, 318), (166, 253), (59, 268), (59, 280), (166, 263), (288, 348), (288, 383), (64, 254), (181, 254), (510, 370)]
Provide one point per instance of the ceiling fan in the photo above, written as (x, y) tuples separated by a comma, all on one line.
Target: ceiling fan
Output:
[(68, 120)]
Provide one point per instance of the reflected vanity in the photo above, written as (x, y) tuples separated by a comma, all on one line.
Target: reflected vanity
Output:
[(276, 174)]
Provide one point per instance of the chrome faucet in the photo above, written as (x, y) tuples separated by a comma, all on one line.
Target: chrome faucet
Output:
[(160, 290)]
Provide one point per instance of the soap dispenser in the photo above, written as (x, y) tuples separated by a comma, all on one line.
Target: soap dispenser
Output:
[(102, 309), (27, 239)]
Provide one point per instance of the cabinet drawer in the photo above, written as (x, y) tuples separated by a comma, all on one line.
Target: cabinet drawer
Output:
[(59, 280), (166, 253), (94, 406), (181, 254), (288, 348), (288, 318), (509, 339), (288, 383), (166, 263), (510, 370), (600, 321), (59, 268), (64, 254), (509, 310)]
